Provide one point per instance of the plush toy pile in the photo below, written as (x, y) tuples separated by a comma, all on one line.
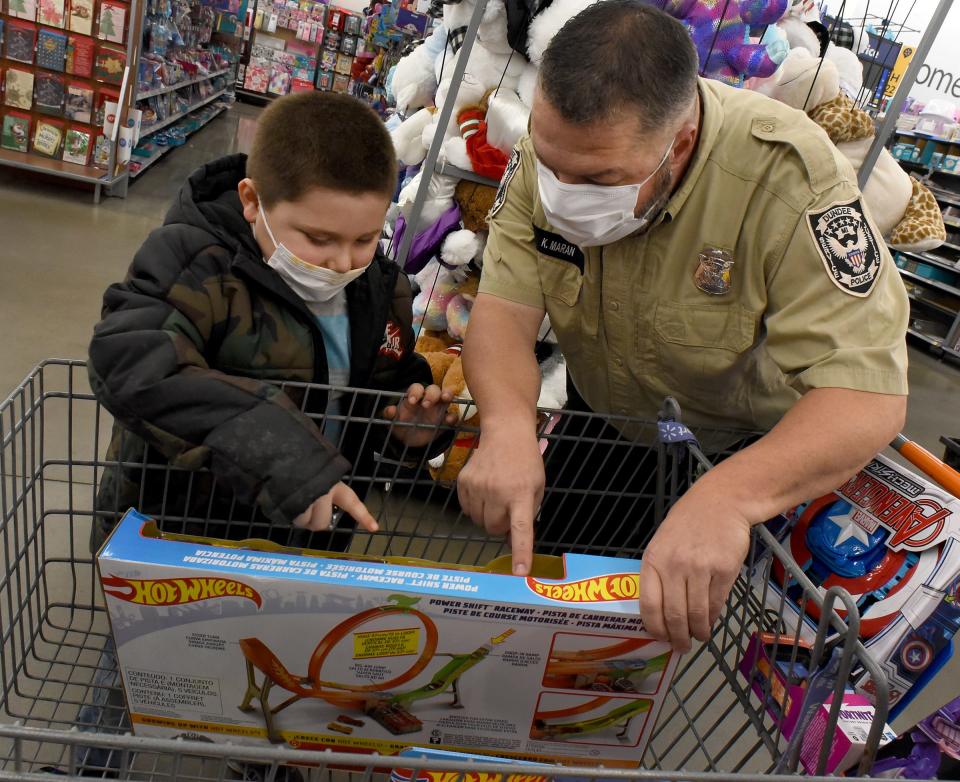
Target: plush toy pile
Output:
[(778, 47)]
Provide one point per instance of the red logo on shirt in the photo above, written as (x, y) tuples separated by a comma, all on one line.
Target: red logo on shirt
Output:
[(392, 346)]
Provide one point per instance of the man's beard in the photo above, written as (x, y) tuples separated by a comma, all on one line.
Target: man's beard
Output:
[(662, 184)]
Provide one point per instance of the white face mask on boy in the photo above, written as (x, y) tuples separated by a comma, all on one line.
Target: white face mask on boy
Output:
[(594, 215), (311, 283)]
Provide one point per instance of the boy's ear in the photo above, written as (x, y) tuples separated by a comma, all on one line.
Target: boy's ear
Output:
[(248, 199)]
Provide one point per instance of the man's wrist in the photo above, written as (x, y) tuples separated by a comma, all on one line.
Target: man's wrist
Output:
[(509, 425)]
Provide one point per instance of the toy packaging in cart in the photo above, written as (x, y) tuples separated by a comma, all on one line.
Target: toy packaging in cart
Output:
[(246, 643), (892, 539)]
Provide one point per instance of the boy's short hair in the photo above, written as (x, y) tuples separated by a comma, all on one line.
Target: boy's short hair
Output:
[(320, 139)]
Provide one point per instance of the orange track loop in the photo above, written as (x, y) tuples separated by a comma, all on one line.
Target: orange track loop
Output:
[(267, 662), (614, 650), (590, 705)]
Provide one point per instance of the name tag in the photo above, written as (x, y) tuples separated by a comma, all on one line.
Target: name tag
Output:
[(556, 246)]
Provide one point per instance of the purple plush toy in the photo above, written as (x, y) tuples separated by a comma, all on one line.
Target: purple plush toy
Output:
[(934, 749), (721, 29)]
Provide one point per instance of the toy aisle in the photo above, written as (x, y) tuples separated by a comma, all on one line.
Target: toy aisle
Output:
[(158, 621)]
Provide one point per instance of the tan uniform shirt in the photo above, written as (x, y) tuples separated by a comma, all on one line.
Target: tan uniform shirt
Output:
[(814, 298)]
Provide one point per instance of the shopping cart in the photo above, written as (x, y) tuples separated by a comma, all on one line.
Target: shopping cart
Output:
[(61, 704)]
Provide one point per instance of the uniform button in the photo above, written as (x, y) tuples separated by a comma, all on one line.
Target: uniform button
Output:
[(615, 305), (618, 362), (767, 127), (622, 411)]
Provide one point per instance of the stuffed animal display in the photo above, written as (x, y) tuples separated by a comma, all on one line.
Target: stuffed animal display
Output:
[(778, 47)]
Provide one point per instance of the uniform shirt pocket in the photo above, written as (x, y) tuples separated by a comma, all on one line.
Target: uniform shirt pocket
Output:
[(703, 350), (560, 280)]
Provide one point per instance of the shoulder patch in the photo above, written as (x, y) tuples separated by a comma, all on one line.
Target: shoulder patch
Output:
[(511, 169), (847, 246)]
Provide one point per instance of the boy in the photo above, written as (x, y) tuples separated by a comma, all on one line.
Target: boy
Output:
[(266, 270)]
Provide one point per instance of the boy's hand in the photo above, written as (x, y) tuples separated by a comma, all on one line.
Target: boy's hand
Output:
[(318, 517), (427, 406)]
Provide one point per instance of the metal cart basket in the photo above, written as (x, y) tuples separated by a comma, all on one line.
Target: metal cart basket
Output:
[(61, 710)]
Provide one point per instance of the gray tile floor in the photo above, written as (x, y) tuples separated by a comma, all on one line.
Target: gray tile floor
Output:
[(58, 252)]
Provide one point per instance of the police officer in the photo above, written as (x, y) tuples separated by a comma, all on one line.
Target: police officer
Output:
[(692, 239)]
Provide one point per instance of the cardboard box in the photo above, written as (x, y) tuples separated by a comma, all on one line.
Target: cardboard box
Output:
[(323, 650), (849, 739), (903, 532)]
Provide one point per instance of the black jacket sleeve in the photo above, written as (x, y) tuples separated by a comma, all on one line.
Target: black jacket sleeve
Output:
[(148, 368)]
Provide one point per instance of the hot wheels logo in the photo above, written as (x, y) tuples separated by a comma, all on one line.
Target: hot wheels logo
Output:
[(915, 523), (600, 589), (177, 591)]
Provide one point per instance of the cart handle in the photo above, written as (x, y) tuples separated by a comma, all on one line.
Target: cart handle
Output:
[(920, 457)]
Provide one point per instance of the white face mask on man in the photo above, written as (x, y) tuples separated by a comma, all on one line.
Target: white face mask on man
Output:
[(311, 283), (595, 215)]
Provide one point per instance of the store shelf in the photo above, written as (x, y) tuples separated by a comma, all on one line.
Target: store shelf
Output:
[(933, 260), (915, 134), (926, 167), (27, 161), (181, 85), (932, 283), (163, 150), (935, 341), (932, 305), (147, 131), (951, 246), (264, 96), (953, 223), (947, 198)]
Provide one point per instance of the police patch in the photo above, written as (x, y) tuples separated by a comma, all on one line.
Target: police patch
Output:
[(511, 169), (847, 246)]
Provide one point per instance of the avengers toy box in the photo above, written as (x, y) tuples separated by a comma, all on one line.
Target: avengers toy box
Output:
[(320, 650), (892, 539)]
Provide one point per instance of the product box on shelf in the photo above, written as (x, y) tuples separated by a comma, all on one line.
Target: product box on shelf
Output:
[(891, 538), (252, 644)]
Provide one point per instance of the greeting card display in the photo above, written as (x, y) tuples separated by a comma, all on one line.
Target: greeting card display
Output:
[(23, 9), (52, 13), (76, 147), (47, 138), (108, 64), (79, 105), (16, 132), (48, 94), (19, 89), (112, 19), (20, 41), (79, 56), (81, 16), (52, 50)]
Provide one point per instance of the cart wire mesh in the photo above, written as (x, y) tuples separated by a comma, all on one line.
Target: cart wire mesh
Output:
[(610, 481)]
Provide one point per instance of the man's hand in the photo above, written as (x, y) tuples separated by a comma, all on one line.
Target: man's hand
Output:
[(689, 568), (501, 488), (424, 406), (318, 516)]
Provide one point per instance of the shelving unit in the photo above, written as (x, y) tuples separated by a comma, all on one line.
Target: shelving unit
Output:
[(87, 33), (150, 130), (181, 85), (145, 163)]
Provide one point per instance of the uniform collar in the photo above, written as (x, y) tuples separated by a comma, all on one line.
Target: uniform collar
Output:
[(711, 120)]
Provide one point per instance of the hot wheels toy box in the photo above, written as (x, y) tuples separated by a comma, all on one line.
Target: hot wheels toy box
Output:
[(891, 538), (320, 650)]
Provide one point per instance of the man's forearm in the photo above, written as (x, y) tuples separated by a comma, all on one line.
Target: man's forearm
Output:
[(500, 364), (827, 436)]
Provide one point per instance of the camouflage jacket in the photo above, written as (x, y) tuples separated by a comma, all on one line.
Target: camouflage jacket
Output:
[(193, 341)]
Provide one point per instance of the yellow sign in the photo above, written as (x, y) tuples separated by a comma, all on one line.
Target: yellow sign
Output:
[(386, 643), (899, 68)]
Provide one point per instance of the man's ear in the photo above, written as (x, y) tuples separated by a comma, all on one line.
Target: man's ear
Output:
[(685, 141), (248, 199)]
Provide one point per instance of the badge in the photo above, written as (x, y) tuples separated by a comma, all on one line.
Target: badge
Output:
[(847, 246), (714, 273), (555, 246), (392, 346), (511, 169)]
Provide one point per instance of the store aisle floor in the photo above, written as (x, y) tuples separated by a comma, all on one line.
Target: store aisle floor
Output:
[(58, 252)]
